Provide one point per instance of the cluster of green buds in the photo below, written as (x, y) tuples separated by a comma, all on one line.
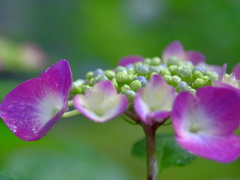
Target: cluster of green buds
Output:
[(182, 75)]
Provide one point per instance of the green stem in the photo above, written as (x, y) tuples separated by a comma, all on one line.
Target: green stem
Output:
[(70, 113), (152, 167)]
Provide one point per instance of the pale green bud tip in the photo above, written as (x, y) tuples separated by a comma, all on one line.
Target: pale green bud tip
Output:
[(199, 82), (168, 79), (121, 77), (147, 61), (125, 88), (197, 74), (173, 69), (154, 69), (130, 94), (78, 83), (135, 85), (101, 78), (172, 61), (89, 75), (142, 69), (176, 80), (109, 74), (184, 71), (155, 61), (164, 72), (183, 86), (114, 82), (121, 68), (85, 88)]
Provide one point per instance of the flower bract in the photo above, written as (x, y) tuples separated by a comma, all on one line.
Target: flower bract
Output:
[(204, 125), (153, 103), (101, 103), (33, 107)]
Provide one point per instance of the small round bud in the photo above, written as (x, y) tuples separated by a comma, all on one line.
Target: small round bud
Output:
[(130, 94), (143, 80), (199, 82), (101, 78), (183, 86), (193, 91), (200, 68), (172, 61), (98, 72), (164, 72), (109, 74), (130, 66), (120, 69), (173, 69), (125, 88), (130, 71), (78, 83), (197, 74), (85, 88), (147, 61), (142, 69), (121, 77), (89, 75), (155, 61), (176, 80), (135, 85), (136, 64), (168, 79), (114, 82), (131, 77), (154, 69), (184, 71)]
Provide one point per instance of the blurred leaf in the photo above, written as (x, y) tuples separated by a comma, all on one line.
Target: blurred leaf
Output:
[(168, 151)]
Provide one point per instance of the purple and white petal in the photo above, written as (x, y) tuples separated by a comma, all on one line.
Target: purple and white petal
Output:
[(32, 108), (236, 71), (101, 103), (130, 60), (175, 49), (154, 101), (195, 57), (204, 125)]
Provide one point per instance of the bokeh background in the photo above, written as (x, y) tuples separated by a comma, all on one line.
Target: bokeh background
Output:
[(96, 34)]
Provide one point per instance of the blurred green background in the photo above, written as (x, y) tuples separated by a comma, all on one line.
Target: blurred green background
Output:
[(96, 34)]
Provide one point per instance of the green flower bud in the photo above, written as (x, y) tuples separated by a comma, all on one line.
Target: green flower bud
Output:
[(164, 72), (130, 94), (131, 77), (147, 61), (121, 77), (114, 82), (135, 85), (183, 86), (89, 75), (109, 74), (120, 69), (85, 88), (176, 80), (155, 61), (77, 84), (125, 88), (184, 72), (142, 69), (136, 64), (101, 78), (172, 61), (193, 91), (173, 69), (197, 74), (131, 71), (168, 79), (154, 69), (199, 82)]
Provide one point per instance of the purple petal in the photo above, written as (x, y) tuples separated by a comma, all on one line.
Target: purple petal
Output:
[(205, 125), (222, 149), (130, 60), (32, 108), (195, 57), (154, 102), (174, 49), (101, 103), (222, 72), (236, 71)]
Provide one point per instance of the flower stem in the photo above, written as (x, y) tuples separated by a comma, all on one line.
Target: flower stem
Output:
[(152, 167), (70, 113)]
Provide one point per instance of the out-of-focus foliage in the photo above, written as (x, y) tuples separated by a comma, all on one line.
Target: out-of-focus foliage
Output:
[(96, 34)]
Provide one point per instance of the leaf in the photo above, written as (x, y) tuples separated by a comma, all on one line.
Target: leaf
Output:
[(169, 153)]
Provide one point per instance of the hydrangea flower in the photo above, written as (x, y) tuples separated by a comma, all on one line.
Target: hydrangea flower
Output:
[(204, 124), (32, 108), (101, 103), (153, 103), (175, 49)]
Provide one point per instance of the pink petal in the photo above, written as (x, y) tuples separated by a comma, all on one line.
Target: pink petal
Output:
[(102, 103), (154, 102), (195, 57), (174, 49), (204, 125), (32, 108), (130, 60), (236, 71)]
